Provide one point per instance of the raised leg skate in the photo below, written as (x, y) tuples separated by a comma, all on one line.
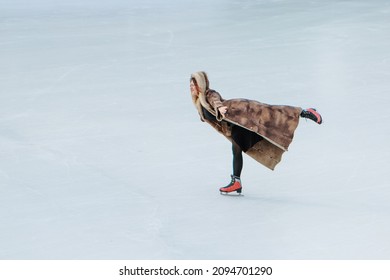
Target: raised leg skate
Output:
[(312, 114)]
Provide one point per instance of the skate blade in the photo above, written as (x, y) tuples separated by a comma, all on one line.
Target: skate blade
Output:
[(232, 193)]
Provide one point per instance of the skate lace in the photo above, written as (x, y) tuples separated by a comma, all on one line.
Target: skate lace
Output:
[(232, 181)]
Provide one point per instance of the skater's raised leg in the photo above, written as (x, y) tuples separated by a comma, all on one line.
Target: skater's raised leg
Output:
[(312, 114)]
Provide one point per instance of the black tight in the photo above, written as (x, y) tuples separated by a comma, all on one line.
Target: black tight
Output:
[(237, 160)]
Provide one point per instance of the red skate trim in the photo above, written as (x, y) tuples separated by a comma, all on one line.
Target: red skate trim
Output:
[(314, 112), (235, 187)]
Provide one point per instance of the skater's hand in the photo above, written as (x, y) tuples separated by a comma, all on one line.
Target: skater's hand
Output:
[(222, 110)]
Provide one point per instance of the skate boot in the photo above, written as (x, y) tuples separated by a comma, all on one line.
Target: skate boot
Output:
[(234, 186), (312, 114)]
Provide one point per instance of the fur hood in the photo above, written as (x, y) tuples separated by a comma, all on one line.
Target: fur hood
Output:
[(200, 100)]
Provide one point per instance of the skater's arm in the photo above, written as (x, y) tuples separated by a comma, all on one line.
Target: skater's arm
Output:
[(215, 100)]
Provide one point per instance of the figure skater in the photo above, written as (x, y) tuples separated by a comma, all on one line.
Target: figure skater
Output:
[(260, 130)]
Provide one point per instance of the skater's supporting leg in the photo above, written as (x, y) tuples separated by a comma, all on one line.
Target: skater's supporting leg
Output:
[(235, 184), (237, 160)]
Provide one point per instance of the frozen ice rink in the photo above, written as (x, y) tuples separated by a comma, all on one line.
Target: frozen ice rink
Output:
[(103, 155)]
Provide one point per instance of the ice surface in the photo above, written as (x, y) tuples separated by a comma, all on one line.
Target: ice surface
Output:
[(103, 156)]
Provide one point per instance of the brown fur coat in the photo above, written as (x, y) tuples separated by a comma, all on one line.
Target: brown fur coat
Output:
[(276, 124)]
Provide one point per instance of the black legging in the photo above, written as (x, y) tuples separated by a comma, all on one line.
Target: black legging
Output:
[(243, 140), (237, 160)]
